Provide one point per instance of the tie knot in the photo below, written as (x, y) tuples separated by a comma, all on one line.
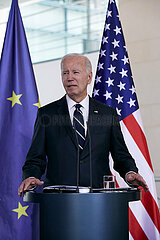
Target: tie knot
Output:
[(78, 106)]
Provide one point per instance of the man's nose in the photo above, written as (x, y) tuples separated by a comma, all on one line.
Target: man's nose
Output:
[(70, 76)]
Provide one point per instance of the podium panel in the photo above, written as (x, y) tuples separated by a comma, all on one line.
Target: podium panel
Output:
[(88, 216)]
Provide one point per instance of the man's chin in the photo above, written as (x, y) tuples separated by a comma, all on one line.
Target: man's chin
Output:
[(72, 93)]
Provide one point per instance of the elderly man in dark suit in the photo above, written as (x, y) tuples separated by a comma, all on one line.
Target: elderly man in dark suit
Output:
[(63, 128)]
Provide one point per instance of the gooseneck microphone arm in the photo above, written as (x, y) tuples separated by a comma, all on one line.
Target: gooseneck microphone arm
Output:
[(90, 159), (78, 160)]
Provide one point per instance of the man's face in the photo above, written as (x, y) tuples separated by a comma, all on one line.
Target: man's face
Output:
[(75, 78)]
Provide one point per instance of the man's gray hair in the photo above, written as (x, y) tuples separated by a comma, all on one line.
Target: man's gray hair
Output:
[(87, 61)]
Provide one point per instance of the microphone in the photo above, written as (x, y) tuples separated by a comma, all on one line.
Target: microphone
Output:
[(78, 160), (90, 160)]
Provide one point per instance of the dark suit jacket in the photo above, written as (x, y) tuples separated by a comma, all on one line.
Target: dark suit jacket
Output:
[(55, 138)]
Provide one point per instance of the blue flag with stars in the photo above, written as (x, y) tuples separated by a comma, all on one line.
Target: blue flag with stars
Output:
[(113, 83), (18, 108)]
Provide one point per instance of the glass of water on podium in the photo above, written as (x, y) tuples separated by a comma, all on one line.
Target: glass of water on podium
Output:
[(108, 181)]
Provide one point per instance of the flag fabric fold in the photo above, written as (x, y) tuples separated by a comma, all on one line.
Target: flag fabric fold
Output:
[(114, 86), (18, 108)]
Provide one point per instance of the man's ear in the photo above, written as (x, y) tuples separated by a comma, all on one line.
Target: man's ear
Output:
[(90, 78)]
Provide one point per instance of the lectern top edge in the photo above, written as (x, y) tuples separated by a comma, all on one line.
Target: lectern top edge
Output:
[(127, 195)]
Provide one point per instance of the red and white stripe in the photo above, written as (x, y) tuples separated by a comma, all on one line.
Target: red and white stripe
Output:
[(144, 218)]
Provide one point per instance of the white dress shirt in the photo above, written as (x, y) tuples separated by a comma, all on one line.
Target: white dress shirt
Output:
[(85, 109)]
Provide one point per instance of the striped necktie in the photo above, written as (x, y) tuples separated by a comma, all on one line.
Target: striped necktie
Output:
[(78, 123)]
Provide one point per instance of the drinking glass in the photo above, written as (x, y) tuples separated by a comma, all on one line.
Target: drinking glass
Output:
[(108, 181)]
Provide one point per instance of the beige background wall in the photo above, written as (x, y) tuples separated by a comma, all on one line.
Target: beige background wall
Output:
[(141, 26)]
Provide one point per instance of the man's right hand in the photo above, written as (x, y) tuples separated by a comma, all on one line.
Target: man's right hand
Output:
[(29, 183)]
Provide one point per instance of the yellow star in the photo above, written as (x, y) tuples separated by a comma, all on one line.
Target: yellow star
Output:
[(21, 210), (37, 104), (15, 99)]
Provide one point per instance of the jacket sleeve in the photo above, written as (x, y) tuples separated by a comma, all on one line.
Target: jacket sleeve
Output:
[(35, 163), (123, 161)]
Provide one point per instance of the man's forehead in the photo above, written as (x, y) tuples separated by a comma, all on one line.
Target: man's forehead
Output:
[(74, 61)]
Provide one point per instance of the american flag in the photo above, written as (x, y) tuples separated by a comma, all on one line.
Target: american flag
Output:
[(114, 86)]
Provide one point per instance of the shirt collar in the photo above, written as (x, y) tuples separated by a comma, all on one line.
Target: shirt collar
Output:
[(71, 103)]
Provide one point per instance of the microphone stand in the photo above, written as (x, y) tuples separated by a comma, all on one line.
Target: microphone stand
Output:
[(78, 160), (90, 160)]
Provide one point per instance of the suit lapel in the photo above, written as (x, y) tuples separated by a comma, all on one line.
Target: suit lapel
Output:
[(64, 114)]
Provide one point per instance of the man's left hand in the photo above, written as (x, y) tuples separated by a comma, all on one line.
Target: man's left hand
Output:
[(136, 180)]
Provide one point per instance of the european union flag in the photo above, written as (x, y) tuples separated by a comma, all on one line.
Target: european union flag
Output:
[(18, 107)]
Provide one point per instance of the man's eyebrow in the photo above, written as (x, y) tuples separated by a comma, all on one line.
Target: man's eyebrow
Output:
[(76, 70), (72, 70)]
